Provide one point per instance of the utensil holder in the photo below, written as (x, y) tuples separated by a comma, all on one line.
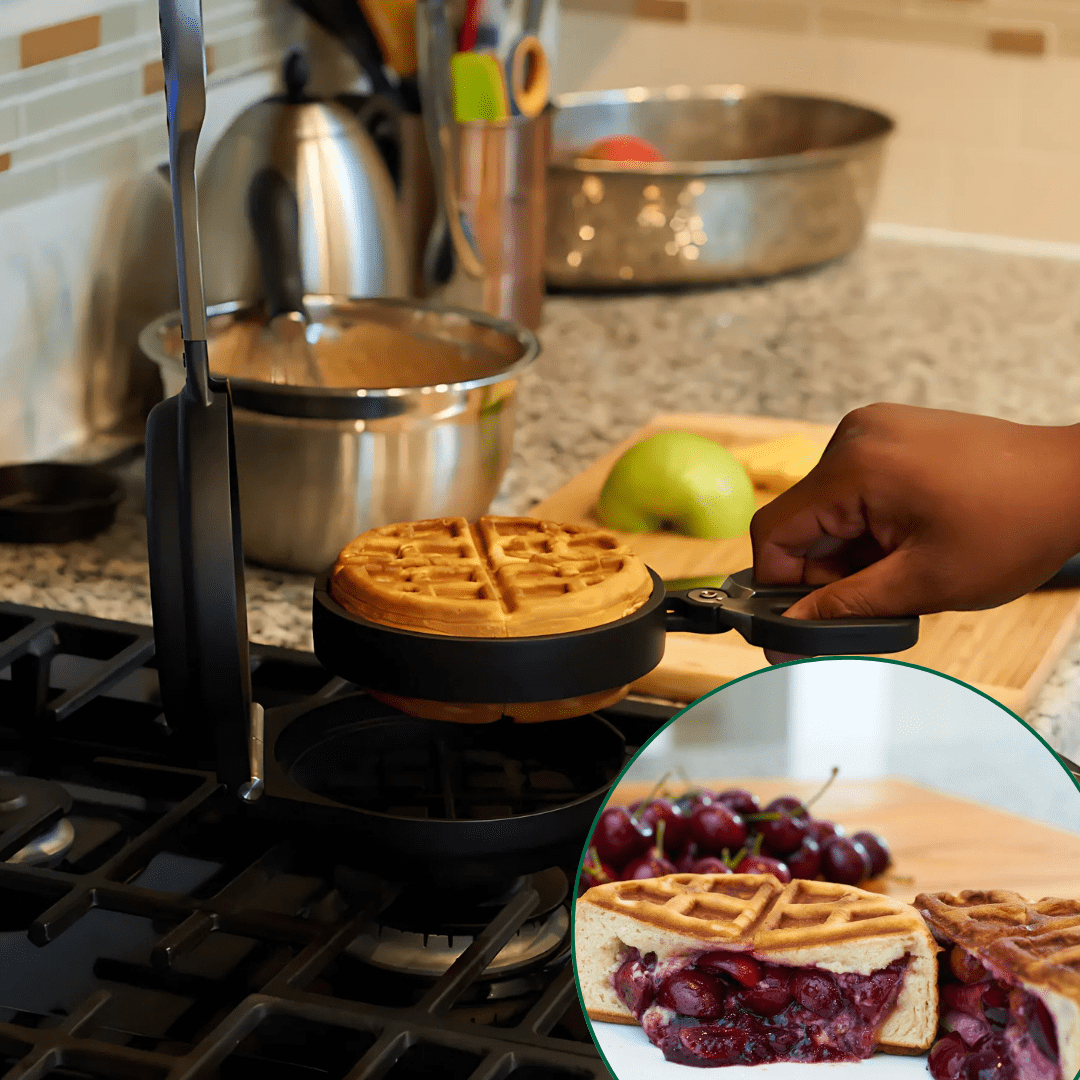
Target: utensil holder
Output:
[(499, 187)]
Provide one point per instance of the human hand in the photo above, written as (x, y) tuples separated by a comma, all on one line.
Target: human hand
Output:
[(912, 511)]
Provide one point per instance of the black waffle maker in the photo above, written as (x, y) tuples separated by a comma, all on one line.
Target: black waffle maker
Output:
[(405, 795)]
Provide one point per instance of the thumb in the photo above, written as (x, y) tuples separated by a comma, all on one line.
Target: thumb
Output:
[(887, 588)]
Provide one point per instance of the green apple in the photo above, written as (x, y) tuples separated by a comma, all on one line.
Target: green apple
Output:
[(681, 481)]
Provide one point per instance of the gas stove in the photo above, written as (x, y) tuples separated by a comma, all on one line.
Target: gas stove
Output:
[(151, 925)]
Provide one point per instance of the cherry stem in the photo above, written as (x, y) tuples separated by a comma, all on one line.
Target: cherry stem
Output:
[(661, 825), (771, 815), (821, 791), (756, 849), (657, 788), (598, 872)]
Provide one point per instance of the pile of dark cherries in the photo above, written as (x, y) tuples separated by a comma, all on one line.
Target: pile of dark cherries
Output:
[(705, 832)]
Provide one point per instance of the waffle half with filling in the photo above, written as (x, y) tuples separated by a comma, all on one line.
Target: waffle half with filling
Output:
[(808, 971)]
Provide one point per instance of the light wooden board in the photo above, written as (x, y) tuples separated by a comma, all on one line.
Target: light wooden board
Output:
[(1007, 652), (939, 843)]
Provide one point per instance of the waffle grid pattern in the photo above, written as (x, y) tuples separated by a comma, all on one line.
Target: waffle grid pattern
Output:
[(494, 577), (1038, 940), (757, 908)]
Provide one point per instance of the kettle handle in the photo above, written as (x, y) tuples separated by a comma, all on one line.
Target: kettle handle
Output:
[(434, 49), (373, 112)]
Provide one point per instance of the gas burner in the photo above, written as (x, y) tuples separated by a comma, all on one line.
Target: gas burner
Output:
[(414, 936), (28, 808), (49, 848)]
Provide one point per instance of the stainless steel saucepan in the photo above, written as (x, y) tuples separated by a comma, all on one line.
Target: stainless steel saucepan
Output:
[(754, 184), (416, 419)]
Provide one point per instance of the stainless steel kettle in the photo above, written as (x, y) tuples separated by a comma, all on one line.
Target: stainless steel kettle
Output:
[(350, 237)]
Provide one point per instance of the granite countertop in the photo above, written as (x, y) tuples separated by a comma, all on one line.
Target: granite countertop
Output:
[(936, 326)]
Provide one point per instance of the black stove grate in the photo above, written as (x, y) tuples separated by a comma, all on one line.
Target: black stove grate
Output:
[(180, 937)]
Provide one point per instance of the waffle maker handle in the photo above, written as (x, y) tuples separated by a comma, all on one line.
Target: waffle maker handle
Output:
[(756, 611)]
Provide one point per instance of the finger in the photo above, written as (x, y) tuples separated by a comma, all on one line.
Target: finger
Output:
[(781, 657), (889, 588), (801, 535)]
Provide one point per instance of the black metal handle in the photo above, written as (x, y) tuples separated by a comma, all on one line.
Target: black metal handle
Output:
[(756, 611), (345, 20), (275, 222)]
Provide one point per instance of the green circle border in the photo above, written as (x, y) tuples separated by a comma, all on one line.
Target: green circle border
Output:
[(704, 697)]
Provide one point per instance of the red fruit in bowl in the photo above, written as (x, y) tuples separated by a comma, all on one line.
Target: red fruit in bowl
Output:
[(711, 865), (740, 800), (715, 828), (763, 864), (618, 838), (648, 866), (805, 861), (676, 825), (877, 849), (623, 148)]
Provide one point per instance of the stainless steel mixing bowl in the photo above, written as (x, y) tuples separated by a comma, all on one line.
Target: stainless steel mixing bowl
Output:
[(754, 184), (309, 486)]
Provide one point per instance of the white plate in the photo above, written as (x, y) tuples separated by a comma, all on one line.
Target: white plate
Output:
[(631, 1056)]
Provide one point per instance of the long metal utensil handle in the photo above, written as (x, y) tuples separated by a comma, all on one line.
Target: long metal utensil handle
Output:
[(184, 57)]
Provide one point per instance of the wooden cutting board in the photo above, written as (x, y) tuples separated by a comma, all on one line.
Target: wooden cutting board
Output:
[(1007, 652), (939, 843)]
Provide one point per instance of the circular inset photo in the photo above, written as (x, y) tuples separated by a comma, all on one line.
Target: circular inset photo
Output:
[(846, 866)]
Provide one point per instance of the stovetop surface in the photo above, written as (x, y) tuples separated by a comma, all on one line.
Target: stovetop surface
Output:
[(167, 933)]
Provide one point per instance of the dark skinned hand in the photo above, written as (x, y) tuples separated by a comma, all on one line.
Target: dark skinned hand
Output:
[(912, 511)]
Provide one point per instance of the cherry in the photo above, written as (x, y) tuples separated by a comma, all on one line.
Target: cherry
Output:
[(648, 866), (1040, 1024), (618, 838), (676, 825), (763, 864), (947, 1057), (966, 967), (740, 800), (633, 982), (964, 998), (743, 969), (871, 995), (772, 995), (824, 831), (716, 1043), (717, 827), (692, 800), (995, 1005), (816, 991), (845, 861), (711, 865), (688, 860), (594, 871), (786, 833), (805, 862), (693, 993), (877, 849), (990, 1060)]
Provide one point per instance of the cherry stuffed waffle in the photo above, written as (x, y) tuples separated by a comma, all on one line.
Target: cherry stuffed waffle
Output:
[(740, 969), (1009, 984)]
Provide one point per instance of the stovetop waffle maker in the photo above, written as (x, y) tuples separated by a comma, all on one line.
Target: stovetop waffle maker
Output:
[(403, 795)]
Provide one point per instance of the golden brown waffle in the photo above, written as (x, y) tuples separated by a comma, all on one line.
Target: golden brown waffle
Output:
[(1036, 943), (836, 927), (501, 577)]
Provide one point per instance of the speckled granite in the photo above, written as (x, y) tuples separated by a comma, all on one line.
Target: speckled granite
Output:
[(936, 326)]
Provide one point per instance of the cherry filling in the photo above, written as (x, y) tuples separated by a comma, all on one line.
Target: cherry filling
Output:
[(991, 1029), (726, 1008)]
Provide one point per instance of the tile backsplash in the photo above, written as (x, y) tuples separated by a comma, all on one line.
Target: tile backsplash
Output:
[(85, 250), (983, 91)]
